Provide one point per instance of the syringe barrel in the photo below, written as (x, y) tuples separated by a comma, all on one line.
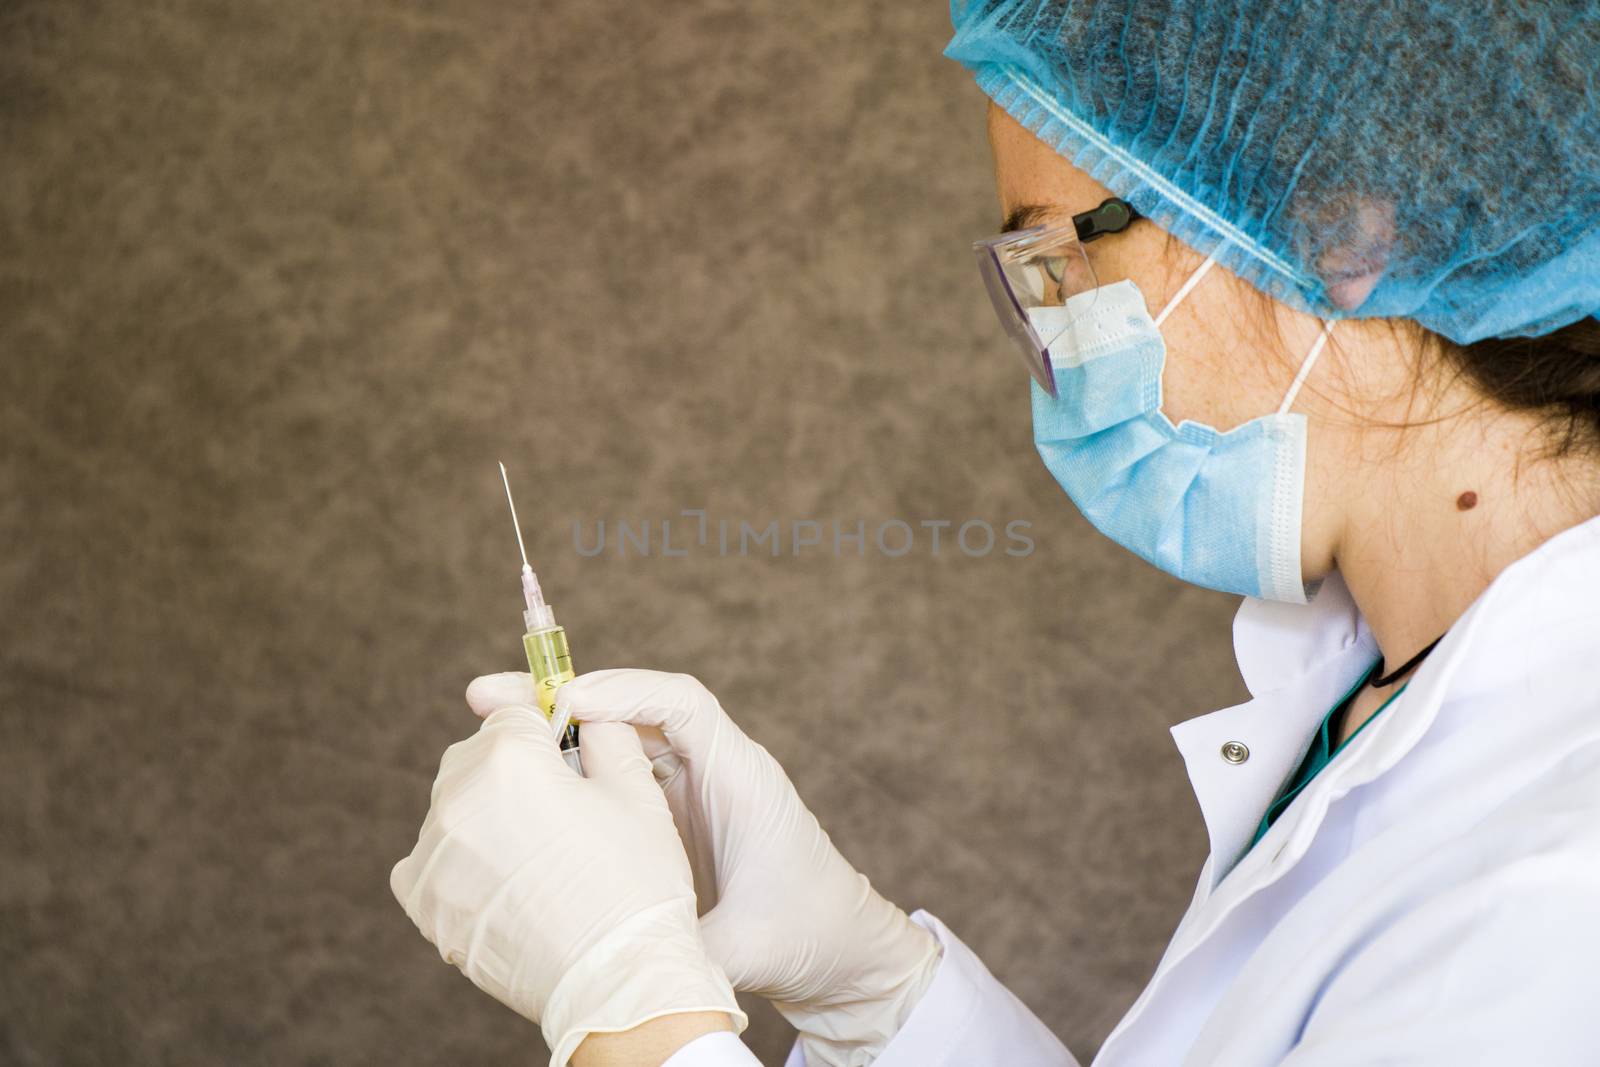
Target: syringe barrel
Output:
[(550, 662)]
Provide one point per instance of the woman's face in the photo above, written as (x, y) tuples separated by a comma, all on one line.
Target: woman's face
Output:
[(1210, 376), (1231, 352)]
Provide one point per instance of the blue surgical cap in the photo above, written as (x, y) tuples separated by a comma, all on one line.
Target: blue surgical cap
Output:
[(1431, 160)]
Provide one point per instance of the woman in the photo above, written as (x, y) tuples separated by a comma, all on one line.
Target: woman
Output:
[(1405, 820)]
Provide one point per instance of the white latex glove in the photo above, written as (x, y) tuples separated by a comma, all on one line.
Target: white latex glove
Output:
[(568, 899), (792, 920)]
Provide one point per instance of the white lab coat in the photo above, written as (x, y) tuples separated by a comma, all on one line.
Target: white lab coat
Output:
[(1432, 897)]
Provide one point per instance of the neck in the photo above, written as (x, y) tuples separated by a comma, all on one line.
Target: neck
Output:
[(1433, 519)]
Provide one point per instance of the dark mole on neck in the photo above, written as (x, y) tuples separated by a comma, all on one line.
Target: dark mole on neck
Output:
[(1467, 501)]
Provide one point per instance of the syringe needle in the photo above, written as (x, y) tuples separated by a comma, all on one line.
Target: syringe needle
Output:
[(549, 661), (514, 523)]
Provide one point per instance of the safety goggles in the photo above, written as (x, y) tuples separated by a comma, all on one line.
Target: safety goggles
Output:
[(1044, 266)]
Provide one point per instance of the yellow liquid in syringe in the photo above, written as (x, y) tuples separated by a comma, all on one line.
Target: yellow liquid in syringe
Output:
[(550, 662)]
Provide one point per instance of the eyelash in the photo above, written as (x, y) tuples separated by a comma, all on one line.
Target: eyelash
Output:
[(1053, 266)]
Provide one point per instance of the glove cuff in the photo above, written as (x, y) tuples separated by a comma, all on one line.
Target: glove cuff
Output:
[(653, 964), (855, 1033)]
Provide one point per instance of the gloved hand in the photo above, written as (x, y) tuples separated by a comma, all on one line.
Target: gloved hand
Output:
[(568, 899), (792, 920)]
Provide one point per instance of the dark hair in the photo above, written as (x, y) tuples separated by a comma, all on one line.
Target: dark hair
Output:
[(1557, 374)]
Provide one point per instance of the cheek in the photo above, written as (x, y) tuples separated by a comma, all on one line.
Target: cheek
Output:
[(1221, 382)]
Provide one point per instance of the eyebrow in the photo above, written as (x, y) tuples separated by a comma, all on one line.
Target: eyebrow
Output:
[(1025, 216)]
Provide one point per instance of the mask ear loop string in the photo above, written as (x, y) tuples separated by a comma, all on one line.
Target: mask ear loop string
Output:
[(1187, 287), (1305, 367)]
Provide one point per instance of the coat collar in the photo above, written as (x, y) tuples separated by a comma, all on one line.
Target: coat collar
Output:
[(1540, 613)]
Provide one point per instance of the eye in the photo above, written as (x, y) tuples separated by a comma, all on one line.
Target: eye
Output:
[(1044, 277), (1069, 274), (1031, 280)]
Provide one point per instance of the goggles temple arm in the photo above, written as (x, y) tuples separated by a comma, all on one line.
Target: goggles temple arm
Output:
[(1112, 216)]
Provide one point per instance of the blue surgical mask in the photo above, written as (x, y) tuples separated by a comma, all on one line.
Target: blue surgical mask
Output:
[(1220, 510)]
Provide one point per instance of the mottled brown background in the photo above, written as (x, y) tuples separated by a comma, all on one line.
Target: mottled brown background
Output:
[(279, 282)]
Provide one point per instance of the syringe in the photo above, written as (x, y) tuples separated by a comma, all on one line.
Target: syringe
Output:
[(549, 659)]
